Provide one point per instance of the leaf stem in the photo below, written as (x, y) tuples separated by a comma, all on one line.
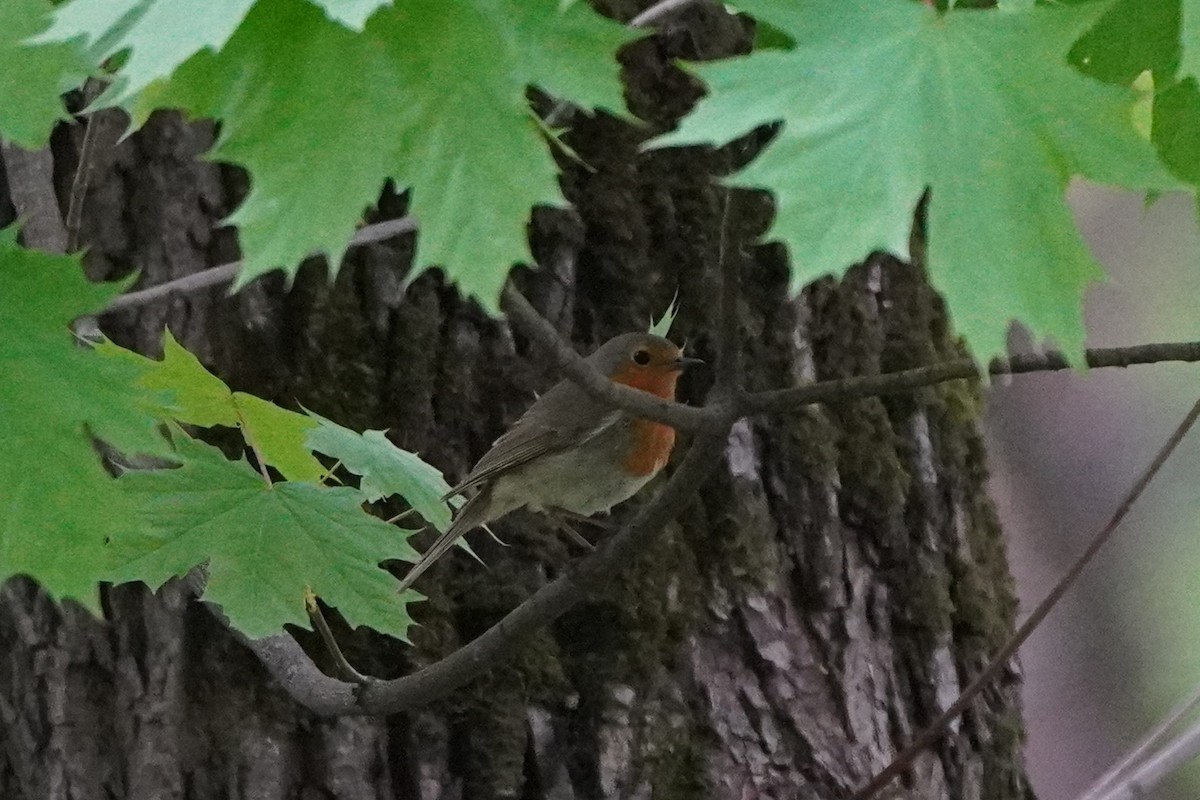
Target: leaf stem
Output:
[(258, 456), (345, 670)]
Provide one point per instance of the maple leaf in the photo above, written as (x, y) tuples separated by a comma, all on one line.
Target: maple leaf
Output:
[(430, 93), (386, 470), (265, 545), (1189, 34), (191, 394), (158, 35), (881, 100), (351, 13), (1131, 37), (33, 77), (57, 503)]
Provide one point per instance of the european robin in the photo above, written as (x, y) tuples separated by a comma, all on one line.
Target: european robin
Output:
[(570, 451)]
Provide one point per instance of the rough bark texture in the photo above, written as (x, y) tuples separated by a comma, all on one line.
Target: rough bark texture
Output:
[(818, 602)]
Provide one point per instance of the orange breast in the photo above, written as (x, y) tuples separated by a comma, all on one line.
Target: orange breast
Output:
[(651, 449), (652, 440)]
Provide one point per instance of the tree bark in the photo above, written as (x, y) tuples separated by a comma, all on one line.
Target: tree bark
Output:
[(821, 598)]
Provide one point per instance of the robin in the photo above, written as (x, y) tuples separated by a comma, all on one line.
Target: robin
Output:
[(570, 452)]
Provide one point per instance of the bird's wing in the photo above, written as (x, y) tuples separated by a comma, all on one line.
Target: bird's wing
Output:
[(534, 436)]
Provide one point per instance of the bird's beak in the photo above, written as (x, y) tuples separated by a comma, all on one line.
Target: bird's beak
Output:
[(683, 362)]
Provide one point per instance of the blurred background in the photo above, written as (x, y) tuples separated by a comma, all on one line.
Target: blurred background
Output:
[(1124, 646)]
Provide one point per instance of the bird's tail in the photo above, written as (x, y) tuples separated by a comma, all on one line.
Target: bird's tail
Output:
[(472, 514)]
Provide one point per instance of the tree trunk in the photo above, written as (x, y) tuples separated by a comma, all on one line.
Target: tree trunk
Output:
[(825, 594)]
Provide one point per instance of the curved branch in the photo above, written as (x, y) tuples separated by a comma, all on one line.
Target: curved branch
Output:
[(686, 418), (288, 663)]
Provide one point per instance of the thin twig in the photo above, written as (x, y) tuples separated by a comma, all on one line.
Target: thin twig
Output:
[(87, 163), (227, 272), (1140, 782), (195, 282), (729, 359), (690, 418), (1131, 761), (776, 400), (935, 729)]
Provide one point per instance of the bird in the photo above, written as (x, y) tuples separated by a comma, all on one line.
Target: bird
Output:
[(570, 452)]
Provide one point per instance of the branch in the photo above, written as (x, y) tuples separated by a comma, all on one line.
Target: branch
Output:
[(188, 283), (322, 694), (729, 355), (1132, 762), (780, 400), (690, 418), (1141, 781), (31, 182), (935, 729), (87, 163), (225, 273)]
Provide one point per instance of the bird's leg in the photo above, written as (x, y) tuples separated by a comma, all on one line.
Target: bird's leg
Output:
[(562, 521), (602, 524)]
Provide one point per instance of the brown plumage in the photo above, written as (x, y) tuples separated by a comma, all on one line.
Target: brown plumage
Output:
[(570, 451)]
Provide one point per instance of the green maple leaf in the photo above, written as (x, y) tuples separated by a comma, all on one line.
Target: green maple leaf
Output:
[(351, 13), (57, 504), (1189, 34), (159, 35), (1131, 37), (386, 470), (1176, 128), (881, 100), (265, 545), (431, 94), (32, 78), (197, 397)]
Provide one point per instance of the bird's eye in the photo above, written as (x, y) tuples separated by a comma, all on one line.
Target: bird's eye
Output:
[(641, 357)]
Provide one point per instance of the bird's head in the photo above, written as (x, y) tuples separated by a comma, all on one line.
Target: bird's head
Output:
[(643, 361)]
